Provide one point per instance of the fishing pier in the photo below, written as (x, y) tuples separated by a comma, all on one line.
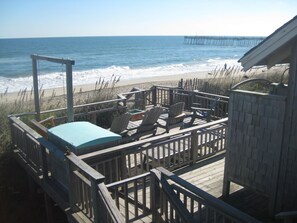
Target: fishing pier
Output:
[(223, 41)]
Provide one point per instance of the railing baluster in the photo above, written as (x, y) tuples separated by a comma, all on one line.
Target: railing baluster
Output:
[(135, 199), (126, 202)]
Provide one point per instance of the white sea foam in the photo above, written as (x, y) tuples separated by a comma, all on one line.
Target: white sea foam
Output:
[(58, 79)]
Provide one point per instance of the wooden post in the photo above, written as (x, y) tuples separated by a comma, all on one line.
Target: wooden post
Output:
[(123, 165), (194, 146), (170, 96), (181, 83), (226, 186), (69, 86), (155, 194), (98, 215), (154, 95), (191, 96), (144, 93), (71, 181), (36, 90), (44, 163)]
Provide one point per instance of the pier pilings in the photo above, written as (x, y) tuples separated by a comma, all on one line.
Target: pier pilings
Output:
[(223, 40)]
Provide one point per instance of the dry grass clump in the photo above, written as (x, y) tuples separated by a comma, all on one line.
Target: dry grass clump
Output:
[(221, 80), (104, 90)]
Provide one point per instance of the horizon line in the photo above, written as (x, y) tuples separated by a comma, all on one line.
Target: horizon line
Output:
[(48, 37)]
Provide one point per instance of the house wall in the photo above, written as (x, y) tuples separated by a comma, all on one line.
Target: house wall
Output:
[(287, 187), (255, 130), (289, 192)]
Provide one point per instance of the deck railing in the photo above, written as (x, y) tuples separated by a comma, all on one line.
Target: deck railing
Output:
[(170, 151), (28, 148), (132, 197), (140, 99), (88, 194), (152, 196), (178, 200), (84, 188), (166, 96), (161, 196)]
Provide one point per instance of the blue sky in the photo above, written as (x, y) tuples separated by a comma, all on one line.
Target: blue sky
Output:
[(55, 18)]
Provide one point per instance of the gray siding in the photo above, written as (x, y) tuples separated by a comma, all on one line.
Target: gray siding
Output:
[(255, 140)]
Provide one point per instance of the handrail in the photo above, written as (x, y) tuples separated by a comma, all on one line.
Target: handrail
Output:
[(24, 126), (123, 189), (133, 92), (102, 207), (212, 201), (75, 107), (206, 93), (169, 87), (109, 204), (84, 167), (178, 205), (127, 180)]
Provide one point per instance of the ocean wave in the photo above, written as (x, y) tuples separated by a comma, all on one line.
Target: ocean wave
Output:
[(58, 79)]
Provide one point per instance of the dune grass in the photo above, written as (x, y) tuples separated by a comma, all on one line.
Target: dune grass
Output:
[(221, 80)]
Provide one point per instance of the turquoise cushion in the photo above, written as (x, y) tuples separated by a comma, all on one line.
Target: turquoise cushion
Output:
[(79, 135)]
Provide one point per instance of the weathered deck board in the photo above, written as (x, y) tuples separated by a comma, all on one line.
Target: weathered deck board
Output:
[(208, 177)]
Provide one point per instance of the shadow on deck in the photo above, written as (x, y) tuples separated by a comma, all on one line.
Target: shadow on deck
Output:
[(251, 202), (208, 175)]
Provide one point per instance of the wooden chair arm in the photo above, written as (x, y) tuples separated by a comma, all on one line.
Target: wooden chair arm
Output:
[(200, 109)]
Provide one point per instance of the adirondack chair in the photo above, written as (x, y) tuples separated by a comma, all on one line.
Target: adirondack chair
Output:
[(174, 117), (148, 124), (204, 113), (120, 123)]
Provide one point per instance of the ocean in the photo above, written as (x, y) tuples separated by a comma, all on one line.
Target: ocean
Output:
[(102, 57)]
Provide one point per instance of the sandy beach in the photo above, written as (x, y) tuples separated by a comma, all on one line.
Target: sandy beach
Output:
[(144, 83), (121, 86)]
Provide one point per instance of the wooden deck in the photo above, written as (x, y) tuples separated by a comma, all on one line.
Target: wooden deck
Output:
[(135, 198), (208, 176), (114, 193)]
